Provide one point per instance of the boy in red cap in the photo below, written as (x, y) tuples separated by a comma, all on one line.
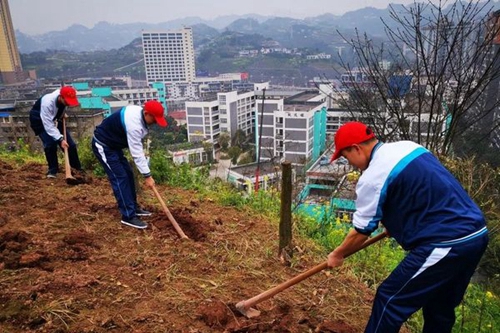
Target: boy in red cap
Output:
[(46, 121), (426, 210), (126, 129)]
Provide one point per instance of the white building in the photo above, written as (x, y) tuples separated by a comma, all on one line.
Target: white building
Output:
[(169, 55), (203, 122), (237, 111), (193, 154), (288, 125), (338, 117), (136, 96), (319, 56), (182, 90), (223, 112)]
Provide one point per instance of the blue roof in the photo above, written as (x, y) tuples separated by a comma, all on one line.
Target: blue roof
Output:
[(81, 86)]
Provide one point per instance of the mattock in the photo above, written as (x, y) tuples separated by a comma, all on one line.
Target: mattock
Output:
[(245, 307)]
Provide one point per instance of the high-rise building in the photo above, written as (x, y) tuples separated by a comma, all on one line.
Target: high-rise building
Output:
[(169, 56), (11, 70), (489, 126)]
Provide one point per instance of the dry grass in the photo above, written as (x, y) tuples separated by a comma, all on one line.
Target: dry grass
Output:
[(91, 274)]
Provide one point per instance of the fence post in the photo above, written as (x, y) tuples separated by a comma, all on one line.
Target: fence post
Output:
[(285, 231)]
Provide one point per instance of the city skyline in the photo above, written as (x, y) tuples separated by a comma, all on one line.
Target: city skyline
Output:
[(38, 17)]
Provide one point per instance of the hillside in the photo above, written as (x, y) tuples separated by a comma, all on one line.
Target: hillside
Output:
[(67, 265)]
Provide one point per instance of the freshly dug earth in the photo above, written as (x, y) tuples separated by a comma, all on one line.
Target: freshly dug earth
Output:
[(68, 265)]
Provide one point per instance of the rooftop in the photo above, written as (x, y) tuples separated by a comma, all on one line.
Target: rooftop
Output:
[(184, 146), (248, 170), (302, 97), (301, 107), (112, 99), (277, 93), (322, 168)]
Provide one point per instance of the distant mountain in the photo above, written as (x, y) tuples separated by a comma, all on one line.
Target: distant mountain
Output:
[(367, 19), (244, 25), (107, 36), (319, 32), (104, 35), (203, 34), (223, 21)]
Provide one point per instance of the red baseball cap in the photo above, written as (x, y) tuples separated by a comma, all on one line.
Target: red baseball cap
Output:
[(155, 109), (68, 93), (351, 133)]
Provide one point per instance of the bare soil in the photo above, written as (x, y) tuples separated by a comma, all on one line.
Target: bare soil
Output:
[(68, 265)]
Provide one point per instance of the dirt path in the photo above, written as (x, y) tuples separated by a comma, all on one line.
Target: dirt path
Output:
[(67, 265)]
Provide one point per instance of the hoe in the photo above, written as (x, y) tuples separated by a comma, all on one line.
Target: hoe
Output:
[(70, 180), (245, 307)]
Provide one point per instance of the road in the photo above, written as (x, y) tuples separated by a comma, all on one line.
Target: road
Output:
[(221, 169)]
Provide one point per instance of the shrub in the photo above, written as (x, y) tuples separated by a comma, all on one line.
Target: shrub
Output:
[(482, 182), (20, 152), (165, 171), (87, 157)]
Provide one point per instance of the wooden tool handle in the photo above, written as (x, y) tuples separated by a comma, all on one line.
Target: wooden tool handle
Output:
[(67, 165), (287, 284), (169, 215)]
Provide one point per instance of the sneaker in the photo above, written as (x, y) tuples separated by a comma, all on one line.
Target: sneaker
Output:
[(142, 212), (51, 175), (134, 222)]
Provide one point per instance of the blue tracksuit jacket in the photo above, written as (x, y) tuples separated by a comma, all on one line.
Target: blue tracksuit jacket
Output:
[(418, 201)]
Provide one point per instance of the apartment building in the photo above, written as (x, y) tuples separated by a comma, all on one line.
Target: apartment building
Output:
[(488, 106), (137, 96), (337, 117), (169, 56), (203, 121), (293, 127), (237, 111), (225, 82), (183, 91), (221, 112)]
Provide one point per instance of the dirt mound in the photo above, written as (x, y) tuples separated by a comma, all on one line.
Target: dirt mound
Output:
[(68, 265), (194, 229)]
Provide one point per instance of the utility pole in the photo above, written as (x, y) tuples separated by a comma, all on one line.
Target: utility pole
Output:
[(257, 171)]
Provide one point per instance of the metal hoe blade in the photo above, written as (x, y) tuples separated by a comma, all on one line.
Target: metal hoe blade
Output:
[(245, 307), (72, 181), (249, 313)]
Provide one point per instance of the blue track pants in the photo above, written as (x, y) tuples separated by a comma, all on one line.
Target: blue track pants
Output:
[(120, 175), (431, 278)]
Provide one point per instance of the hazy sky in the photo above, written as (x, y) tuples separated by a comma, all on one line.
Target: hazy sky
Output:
[(40, 16)]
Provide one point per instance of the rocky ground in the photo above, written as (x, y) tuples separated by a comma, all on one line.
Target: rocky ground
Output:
[(68, 265)]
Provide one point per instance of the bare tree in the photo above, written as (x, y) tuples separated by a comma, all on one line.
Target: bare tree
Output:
[(431, 79)]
